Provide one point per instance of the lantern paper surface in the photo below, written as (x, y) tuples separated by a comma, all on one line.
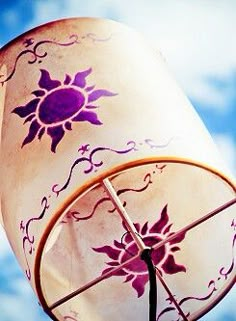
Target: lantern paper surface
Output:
[(85, 100)]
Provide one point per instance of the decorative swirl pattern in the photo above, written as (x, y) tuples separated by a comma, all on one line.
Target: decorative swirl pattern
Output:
[(225, 272), (152, 144), (92, 164), (76, 216), (92, 36), (73, 316), (36, 56), (69, 318), (28, 239), (233, 224), (211, 287)]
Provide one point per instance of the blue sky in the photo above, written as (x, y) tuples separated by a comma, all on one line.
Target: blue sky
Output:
[(197, 40)]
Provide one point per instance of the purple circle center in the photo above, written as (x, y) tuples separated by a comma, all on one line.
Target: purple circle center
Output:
[(138, 266), (60, 105)]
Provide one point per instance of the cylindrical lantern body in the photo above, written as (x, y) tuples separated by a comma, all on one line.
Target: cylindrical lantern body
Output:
[(85, 100)]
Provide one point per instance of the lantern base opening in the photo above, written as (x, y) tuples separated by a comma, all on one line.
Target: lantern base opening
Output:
[(163, 219)]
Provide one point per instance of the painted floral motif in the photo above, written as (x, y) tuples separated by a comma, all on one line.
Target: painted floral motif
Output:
[(57, 105), (163, 258)]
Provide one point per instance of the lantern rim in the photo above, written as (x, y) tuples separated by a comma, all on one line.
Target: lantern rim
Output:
[(93, 182)]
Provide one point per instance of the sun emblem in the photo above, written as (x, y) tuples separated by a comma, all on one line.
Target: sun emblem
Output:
[(163, 258), (56, 105)]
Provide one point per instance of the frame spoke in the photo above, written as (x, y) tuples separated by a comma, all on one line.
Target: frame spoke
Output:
[(196, 223), (165, 286), (91, 283), (124, 215)]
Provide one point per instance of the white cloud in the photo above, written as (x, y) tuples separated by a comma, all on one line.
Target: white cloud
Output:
[(194, 36), (196, 39)]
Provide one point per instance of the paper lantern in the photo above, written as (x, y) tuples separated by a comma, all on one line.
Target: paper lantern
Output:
[(102, 157)]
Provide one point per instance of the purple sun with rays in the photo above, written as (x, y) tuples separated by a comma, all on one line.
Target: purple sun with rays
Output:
[(163, 258), (57, 105)]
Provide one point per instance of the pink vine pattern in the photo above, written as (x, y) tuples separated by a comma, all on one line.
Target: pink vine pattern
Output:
[(33, 50), (226, 272), (148, 179), (212, 285), (28, 238), (94, 165), (73, 316)]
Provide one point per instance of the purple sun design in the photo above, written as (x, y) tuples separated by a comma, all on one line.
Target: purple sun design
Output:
[(56, 105), (163, 258)]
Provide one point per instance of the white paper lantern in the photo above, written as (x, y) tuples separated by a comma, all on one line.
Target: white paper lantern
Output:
[(102, 155)]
